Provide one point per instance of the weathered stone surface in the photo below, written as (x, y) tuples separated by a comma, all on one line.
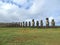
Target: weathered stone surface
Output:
[(37, 23), (33, 23), (29, 24), (23, 24), (26, 24), (41, 23), (20, 24), (52, 22), (47, 22)]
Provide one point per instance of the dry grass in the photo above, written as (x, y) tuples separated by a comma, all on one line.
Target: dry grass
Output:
[(29, 36)]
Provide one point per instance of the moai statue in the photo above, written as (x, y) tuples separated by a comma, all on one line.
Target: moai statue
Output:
[(41, 23), (26, 24), (47, 22), (20, 24), (33, 23), (29, 24), (16, 24), (53, 23), (23, 24), (37, 23)]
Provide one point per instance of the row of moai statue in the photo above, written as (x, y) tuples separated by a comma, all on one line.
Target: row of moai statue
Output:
[(52, 22), (29, 24), (37, 23)]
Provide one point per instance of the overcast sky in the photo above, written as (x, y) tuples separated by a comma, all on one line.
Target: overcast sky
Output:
[(26, 10)]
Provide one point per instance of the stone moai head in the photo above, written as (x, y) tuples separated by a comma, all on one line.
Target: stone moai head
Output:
[(52, 22), (33, 23), (37, 23), (47, 22), (29, 23), (32, 20), (47, 19), (41, 23)]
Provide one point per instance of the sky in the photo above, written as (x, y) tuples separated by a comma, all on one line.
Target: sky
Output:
[(26, 10)]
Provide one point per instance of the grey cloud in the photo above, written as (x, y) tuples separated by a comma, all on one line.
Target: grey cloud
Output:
[(26, 4), (47, 8)]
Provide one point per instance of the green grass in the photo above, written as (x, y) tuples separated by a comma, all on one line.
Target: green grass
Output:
[(29, 36)]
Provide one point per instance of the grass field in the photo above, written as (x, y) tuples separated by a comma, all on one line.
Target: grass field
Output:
[(29, 36)]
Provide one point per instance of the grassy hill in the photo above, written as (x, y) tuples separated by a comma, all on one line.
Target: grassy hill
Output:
[(29, 36)]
